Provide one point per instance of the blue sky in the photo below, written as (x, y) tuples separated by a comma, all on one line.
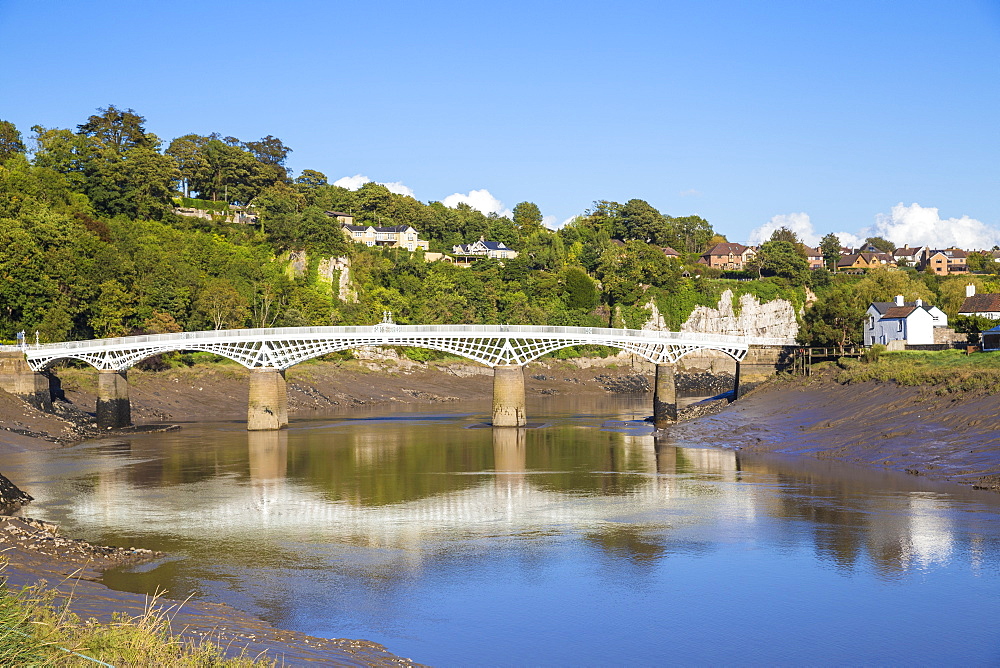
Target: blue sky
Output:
[(826, 115)]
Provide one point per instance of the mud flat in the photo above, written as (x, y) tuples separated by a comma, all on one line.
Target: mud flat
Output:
[(922, 431)]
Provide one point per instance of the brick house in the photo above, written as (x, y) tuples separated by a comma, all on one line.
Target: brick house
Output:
[(859, 262), (727, 255), (947, 261)]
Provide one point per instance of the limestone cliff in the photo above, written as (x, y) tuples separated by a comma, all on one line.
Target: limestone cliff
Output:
[(329, 268), (774, 319)]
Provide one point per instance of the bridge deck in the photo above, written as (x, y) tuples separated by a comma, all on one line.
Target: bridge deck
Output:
[(493, 345)]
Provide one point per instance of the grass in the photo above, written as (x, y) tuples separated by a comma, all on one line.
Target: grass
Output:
[(36, 630), (949, 370)]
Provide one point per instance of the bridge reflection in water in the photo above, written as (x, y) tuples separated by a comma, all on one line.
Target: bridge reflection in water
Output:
[(520, 485)]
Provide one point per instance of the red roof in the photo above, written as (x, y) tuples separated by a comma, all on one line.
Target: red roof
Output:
[(898, 311), (727, 247), (985, 303)]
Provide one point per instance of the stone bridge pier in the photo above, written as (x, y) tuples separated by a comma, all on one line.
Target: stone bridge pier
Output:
[(508, 396), (665, 396), (17, 378), (267, 406), (114, 408)]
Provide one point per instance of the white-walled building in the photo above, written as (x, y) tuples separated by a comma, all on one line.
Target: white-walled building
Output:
[(984, 306), (910, 322)]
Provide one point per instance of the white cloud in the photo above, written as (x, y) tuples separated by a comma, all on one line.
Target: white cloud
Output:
[(358, 180), (352, 182), (796, 222), (399, 188), (690, 192), (851, 240), (923, 226), (481, 200), (550, 222), (914, 225)]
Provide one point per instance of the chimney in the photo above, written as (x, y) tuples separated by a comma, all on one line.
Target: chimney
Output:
[(919, 303), (970, 290), (899, 300)]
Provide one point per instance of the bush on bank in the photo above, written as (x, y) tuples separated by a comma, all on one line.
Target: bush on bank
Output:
[(950, 370)]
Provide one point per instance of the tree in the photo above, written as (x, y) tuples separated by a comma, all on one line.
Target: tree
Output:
[(691, 234), (780, 258), (883, 245), (527, 218), (138, 184), (269, 150), (830, 247), (10, 141), (222, 305), (785, 234), (113, 307), (322, 233), (116, 130), (835, 320), (580, 291), (187, 152), (638, 219), (310, 179)]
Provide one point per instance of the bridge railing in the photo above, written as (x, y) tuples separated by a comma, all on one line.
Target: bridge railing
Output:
[(406, 331)]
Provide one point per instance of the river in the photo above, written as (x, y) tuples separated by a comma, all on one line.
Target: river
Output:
[(579, 541)]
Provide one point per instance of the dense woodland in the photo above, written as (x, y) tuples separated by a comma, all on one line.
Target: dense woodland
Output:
[(90, 246)]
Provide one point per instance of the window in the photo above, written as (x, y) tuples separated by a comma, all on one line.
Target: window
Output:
[(899, 325)]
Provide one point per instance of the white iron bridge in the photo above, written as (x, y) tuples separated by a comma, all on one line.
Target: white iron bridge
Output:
[(493, 345)]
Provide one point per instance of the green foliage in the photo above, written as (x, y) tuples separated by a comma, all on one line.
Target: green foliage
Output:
[(527, 218), (973, 324), (830, 246), (782, 259), (91, 246), (883, 245), (873, 353), (10, 141)]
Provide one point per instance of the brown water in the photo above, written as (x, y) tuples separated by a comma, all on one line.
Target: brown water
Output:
[(583, 541)]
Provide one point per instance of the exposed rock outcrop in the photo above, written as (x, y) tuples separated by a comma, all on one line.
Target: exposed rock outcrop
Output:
[(774, 319), (11, 498)]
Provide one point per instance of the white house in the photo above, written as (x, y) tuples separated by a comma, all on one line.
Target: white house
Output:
[(494, 249), (984, 306), (909, 322)]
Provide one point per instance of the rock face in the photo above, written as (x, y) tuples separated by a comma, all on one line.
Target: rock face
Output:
[(298, 263), (11, 498), (775, 319)]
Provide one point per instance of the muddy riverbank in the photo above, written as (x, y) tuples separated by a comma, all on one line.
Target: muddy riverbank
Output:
[(922, 431)]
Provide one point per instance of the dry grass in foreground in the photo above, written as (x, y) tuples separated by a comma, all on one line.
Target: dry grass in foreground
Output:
[(36, 630)]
